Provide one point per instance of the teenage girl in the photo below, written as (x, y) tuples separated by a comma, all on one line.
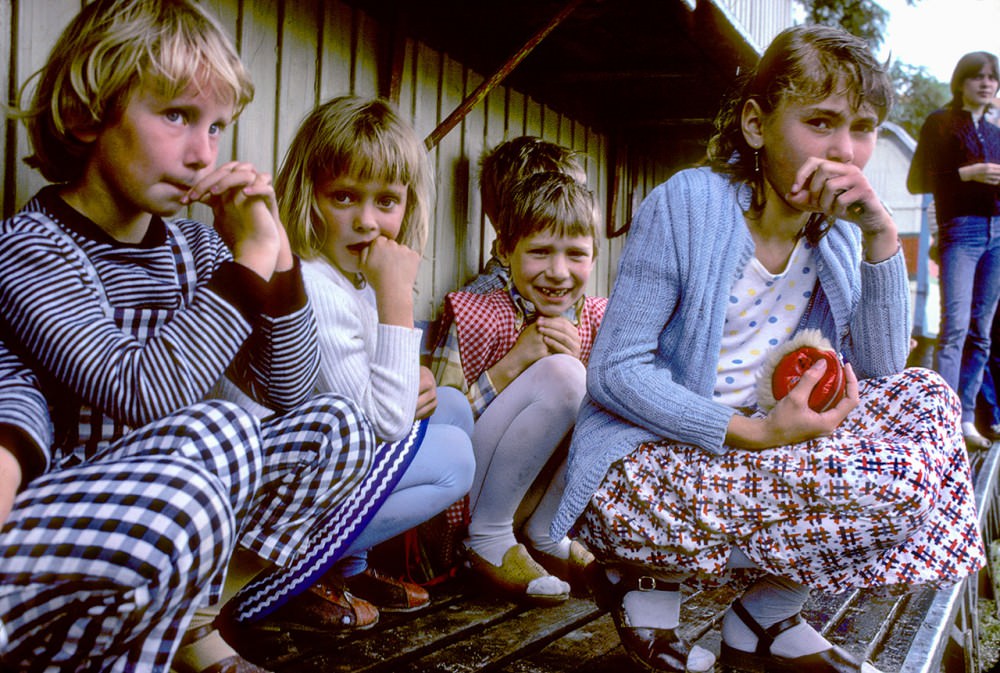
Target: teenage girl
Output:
[(676, 475), (958, 160)]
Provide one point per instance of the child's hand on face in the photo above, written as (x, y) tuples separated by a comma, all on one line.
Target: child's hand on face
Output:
[(386, 263), (559, 335), (841, 190), (391, 269), (246, 216)]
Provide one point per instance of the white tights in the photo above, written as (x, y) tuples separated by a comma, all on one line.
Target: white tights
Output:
[(512, 441)]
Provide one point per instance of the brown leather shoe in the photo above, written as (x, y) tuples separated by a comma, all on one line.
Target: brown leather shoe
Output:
[(231, 664), (324, 607), (387, 593), (235, 664)]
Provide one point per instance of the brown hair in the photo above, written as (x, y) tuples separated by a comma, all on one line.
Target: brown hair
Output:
[(968, 67), (803, 63), (510, 162), (546, 202)]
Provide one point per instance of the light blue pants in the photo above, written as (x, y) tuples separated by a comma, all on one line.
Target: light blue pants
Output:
[(439, 474)]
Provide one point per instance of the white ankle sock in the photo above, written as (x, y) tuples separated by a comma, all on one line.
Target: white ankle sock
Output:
[(491, 546), (770, 600), (969, 429), (546, 545), (662, 610), (653, 609)]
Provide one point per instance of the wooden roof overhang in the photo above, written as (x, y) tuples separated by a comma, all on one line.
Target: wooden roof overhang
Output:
[(647, 72)]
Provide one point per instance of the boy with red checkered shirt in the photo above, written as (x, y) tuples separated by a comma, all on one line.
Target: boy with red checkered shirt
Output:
[(519, 353)]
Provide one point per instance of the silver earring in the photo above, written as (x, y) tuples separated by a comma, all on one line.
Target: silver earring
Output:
[(756, 161)]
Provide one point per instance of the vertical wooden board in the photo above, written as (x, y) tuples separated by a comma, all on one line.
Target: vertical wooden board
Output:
[(592, 148), (496, 116), (566, 127), (366, 55), (408, 84), (336, 56), (425, 110), (255, 135), (39, 24), (550, 124), (6, 55), (451, 226), (473, 146), (298, 70), (495, 133), (516, 122), (532, 118)]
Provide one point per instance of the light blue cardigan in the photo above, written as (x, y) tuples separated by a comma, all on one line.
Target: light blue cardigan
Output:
[(653, 367)]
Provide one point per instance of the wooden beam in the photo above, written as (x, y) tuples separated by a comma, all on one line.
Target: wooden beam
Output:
[(476, 97), (397, 45)]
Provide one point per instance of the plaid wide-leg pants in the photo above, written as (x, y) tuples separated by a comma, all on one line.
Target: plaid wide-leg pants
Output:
[(886, 499)]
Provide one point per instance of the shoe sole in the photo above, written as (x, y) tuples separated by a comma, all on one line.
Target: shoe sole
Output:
[(382, 608), (292, 626)]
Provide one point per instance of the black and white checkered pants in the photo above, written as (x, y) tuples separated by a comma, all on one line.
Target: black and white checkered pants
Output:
[(102, 564)]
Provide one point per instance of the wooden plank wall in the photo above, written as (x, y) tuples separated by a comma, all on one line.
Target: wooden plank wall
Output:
[(301, 53), (759, 20)]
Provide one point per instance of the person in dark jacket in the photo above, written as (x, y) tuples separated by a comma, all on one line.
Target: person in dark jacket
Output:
[(958, 160)]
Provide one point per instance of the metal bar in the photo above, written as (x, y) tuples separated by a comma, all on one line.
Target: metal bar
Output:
[(483, 89), (920, 326)]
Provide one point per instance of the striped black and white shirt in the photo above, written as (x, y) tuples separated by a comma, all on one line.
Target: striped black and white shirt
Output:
[(123, 334), (23, 410)]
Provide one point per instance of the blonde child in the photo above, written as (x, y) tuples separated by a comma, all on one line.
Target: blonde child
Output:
[(519, 353), (504, 166), (354, 192), (126, 320)]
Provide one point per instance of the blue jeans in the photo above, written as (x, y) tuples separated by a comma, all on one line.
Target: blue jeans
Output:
[(441, 472), (970, 287), (988, 405)]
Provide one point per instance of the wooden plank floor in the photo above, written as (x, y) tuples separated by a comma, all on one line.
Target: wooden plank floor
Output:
[(464, 631)]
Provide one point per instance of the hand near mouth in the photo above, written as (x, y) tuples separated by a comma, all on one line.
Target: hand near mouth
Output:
[(246, 216), (841, 190), (391, 270)]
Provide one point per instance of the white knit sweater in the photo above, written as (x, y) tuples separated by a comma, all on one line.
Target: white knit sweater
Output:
[(376, 365)]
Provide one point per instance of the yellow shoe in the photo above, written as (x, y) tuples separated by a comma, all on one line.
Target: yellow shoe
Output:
[(521, 576), (573, 569)]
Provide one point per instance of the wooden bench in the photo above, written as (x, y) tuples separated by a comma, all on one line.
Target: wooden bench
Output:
[(913, 631)]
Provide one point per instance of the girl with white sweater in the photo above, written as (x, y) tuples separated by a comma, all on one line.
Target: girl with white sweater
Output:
[(355, 186)]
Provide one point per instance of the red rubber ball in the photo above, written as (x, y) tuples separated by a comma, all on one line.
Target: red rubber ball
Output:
[(828, 391)]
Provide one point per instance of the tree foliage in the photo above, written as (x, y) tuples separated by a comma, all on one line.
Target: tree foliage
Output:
[(863, 18), (918, 94)]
